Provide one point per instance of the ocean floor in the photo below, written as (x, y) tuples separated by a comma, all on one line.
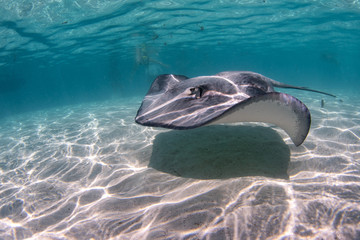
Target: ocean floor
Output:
[(90, 172)]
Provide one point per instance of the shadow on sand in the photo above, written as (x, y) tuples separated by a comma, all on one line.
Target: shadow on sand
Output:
[(220, 152)]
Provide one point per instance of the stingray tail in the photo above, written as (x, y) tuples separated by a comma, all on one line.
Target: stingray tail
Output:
[(283, 85)]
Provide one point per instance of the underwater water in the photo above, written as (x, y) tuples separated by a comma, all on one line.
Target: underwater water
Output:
[(75, 165)]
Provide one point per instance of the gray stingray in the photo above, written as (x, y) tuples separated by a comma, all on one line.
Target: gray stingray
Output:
[(179, 102)]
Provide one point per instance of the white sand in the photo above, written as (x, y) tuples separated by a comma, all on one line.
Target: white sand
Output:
[(82, 172)]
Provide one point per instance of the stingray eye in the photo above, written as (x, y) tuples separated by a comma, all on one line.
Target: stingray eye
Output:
[(197, 91)]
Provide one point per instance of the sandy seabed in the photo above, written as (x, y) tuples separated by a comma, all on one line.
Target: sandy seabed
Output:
[(89, 172)]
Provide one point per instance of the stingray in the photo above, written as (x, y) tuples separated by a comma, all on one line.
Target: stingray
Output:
[(179, 102)]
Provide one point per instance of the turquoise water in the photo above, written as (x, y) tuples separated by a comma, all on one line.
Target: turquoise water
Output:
[(74, 165), (61, 52)]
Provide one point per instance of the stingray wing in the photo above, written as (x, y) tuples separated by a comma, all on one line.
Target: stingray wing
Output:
[(283, 110)]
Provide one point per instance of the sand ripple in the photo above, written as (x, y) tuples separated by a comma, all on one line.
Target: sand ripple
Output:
[(89, 172)]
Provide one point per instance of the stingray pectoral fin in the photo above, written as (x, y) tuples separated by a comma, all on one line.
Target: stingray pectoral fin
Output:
[(283, 110)]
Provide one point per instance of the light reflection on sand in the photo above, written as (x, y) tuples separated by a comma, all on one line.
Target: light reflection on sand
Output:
[(82, 172)]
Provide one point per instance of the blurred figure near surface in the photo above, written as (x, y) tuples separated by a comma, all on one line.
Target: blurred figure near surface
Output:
[(144, 58)]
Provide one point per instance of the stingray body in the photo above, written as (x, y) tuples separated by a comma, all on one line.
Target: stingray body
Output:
[(179, 102)]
